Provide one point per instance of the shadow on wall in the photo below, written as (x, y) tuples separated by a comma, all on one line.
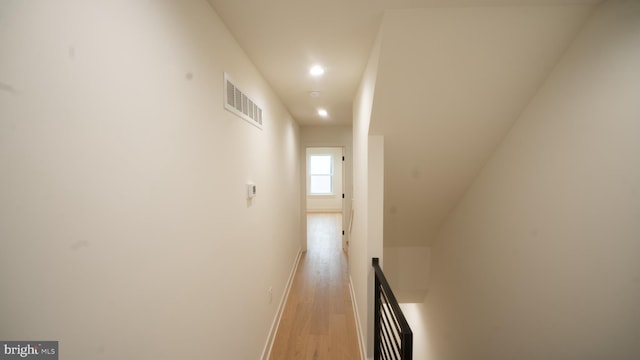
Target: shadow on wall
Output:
[(407, 269)]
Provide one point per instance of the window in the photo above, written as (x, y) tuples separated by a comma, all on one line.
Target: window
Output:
[(321, 174)]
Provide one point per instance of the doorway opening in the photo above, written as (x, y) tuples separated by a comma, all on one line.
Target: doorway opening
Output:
[(325, 183)]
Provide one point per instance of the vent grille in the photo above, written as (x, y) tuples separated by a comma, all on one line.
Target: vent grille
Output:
[(240, 104)]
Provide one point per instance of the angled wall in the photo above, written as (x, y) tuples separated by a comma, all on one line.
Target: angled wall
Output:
[(540, 258), (450, 84)]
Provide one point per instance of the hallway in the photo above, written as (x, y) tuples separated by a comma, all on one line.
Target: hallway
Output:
[(318, 321)]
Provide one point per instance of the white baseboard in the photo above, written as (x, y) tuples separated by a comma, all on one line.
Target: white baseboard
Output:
[(266, 352), (356, 314), (315, 211)]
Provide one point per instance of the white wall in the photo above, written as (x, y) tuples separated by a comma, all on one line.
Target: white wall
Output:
[(124, 225), (540, 258), (451, 83), (407, 271), (365, 245)]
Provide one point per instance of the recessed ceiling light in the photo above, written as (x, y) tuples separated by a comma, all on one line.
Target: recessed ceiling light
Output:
[(323, 112), (316, 70)]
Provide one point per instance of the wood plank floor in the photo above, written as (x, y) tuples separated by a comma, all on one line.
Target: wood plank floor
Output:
[(318, 321)]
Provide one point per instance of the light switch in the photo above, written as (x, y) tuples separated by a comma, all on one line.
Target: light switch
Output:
[(251, 191)]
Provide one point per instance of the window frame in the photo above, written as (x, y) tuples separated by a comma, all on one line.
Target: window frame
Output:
[(330, 175)]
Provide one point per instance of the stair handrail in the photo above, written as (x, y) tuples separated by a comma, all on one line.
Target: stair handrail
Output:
[(393, 338)]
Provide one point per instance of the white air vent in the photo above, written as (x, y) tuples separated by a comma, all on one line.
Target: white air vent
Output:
[(238, 103)]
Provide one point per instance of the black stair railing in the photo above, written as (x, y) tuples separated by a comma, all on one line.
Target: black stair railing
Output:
[(393, 338)]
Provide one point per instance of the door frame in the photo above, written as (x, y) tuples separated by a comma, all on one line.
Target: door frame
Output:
[(345, 192)]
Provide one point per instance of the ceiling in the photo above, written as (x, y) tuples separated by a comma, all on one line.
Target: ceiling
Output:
[(452, 77), (284, 38)]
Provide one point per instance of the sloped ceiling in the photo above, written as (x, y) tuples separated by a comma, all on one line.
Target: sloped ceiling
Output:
[(451, 82)]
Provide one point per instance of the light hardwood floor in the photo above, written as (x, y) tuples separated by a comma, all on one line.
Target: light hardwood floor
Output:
[(318, 321)]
